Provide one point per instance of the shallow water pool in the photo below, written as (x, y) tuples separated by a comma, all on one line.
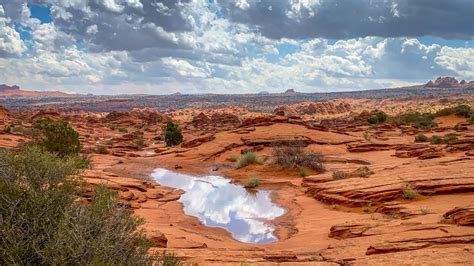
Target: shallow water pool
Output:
[(218, 203)]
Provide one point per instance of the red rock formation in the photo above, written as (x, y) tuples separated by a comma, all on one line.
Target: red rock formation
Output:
[(50, 113), (4, 87), (446, 82), (461, 216), (314, 108), (198, 141)]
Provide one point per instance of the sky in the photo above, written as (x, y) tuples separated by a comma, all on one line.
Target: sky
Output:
[(233, 46)]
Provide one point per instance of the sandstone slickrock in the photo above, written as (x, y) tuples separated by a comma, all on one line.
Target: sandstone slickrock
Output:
[(461, 216), (198, 141)]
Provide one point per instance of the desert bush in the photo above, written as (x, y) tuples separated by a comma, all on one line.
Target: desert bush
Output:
[(292, 155), (363, 171), (435, 139), (233, 158), (366, 136), (426, 122), (378, 118), (140, 142), (409, 193), (471, 120), (417, 119), (247, 159), (462, 110), (339, 174), (303, 172), (424, 211), (57, 137), (7, 129), (449, 138), (42, 222), (368, 208), (173, 135), (167, 259), (123, 130), (252, 183), (101, 149), (421, 138)]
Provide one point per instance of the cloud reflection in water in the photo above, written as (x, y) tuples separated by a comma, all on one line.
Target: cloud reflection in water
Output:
[(218, 203)]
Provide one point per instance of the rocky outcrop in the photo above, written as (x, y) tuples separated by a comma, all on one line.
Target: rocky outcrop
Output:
[(257, 121), (49, 113), (356, 192), (460, 216), (366, 147), (198, 141), (157, 238), (149, 115), (446, 82), (314, 108), (4, 87), (350, 230), (417, 243), (215, 120)]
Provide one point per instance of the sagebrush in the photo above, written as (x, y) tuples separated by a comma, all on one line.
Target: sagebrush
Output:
[(292, 155)]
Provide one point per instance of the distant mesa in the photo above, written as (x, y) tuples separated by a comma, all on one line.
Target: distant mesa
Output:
[(4, 87), (447, 82), (15, 91), (264, 92), (290, 91)]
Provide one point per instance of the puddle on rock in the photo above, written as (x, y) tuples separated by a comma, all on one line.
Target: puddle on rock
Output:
[(218, 203)]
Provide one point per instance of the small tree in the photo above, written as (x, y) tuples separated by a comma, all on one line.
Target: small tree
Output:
[(173, 135), (57, 137)]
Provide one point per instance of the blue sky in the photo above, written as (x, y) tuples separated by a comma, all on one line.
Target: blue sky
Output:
[(200, 46)]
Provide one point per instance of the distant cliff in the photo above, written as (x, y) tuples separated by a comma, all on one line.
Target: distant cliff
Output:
[(4, 87), (448, 82), (16, 91)]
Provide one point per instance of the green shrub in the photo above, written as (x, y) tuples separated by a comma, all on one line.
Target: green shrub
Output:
[(252, 183), (247, 159), (368, 208), (234, 158), (462, 110), (173, 135), (303, 172), (421, 138), (101, 149), (449, 138), (409, 193), (42, 222), (339, 174), (167, 259), (435, 139), (378, 118), (471, 120), (363, 171), (426, 122), (57, 137), (123, 130), (417, 119), (7, 129), (140, 142), (291, 155), (366, 136)]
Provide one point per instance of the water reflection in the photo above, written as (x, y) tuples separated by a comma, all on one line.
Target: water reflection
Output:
[(218, 203)]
